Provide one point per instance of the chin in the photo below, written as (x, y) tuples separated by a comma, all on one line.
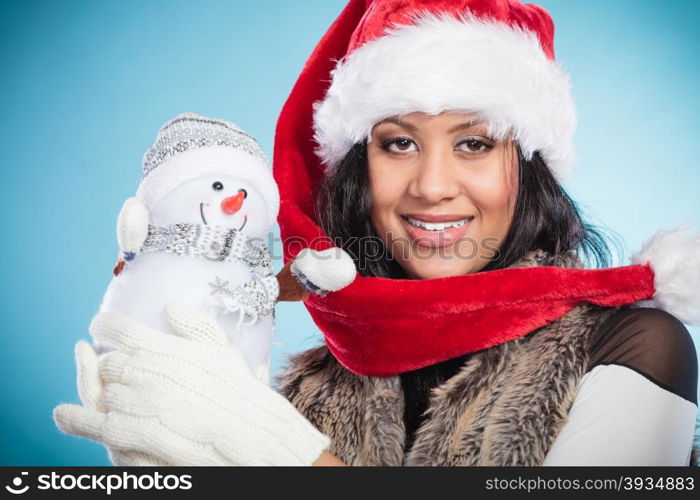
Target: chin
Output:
[(439, 268)]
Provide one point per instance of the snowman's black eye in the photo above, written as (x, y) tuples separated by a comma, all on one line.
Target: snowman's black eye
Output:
[(217, 186), (245, 193)]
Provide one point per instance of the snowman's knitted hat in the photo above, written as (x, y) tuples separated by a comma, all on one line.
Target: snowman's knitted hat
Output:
[(176, 157), (494, 58)]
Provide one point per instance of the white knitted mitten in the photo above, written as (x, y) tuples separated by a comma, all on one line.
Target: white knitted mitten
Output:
[(90, 390), (161, 399)]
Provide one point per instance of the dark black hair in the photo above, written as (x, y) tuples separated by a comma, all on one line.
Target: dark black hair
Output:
[(545, 217)]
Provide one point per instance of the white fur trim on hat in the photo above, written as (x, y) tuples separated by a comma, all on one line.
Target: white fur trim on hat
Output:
[(211, 160), (442, 63), (674, 256)]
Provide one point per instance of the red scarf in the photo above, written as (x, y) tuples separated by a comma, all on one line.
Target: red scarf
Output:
[(381, 327)]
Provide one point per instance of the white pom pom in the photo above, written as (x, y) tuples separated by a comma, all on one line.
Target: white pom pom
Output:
[(674, 255), (327, 270), (132, 226)]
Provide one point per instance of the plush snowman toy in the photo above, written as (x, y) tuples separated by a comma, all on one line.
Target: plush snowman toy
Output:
[(195, 234)]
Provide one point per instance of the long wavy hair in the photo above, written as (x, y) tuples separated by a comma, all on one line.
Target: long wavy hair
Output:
[(545, 217)]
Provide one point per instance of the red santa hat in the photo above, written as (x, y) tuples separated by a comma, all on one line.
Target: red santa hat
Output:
[(491, 57)]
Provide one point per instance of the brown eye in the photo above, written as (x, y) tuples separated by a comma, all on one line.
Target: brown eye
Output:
[(473, 146), (400, 145)]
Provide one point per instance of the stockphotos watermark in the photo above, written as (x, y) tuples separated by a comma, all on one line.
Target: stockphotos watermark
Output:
[(100, 482), (372, 248)]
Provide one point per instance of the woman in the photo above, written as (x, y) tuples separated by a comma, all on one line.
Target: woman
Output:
[(474, 335), (414, 163)]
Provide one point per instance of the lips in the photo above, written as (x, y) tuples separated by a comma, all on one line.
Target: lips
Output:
[(436, 239), (436, 217)]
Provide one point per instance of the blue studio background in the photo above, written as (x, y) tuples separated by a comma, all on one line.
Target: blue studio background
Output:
[(85, 86)]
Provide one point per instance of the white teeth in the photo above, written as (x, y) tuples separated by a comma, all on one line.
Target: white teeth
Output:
[(437, 226)]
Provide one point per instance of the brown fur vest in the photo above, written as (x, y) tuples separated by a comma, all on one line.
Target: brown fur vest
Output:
[(505, 406)]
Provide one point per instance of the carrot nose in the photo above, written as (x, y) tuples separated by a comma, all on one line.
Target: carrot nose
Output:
[(232, 204)]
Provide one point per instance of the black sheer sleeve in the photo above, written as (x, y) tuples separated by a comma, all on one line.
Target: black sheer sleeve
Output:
[(651, 342)]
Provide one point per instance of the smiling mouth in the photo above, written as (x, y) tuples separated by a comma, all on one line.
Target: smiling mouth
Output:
[(201, 212), (204, 219)]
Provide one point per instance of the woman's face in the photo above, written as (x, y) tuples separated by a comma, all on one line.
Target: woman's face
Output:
[(443, 192)]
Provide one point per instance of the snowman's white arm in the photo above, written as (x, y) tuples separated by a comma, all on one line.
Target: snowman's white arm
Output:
[(132, 227)]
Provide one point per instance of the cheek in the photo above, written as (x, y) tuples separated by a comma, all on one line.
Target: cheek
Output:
[(494, 193), (386, 190)]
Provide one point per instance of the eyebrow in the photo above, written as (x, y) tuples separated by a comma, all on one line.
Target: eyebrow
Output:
[(413, 128)]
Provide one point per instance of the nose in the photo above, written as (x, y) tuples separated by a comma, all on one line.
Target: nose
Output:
[(233, 204), (435, 178)]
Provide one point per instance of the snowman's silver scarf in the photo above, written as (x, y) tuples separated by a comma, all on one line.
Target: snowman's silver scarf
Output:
[(253, 298)]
